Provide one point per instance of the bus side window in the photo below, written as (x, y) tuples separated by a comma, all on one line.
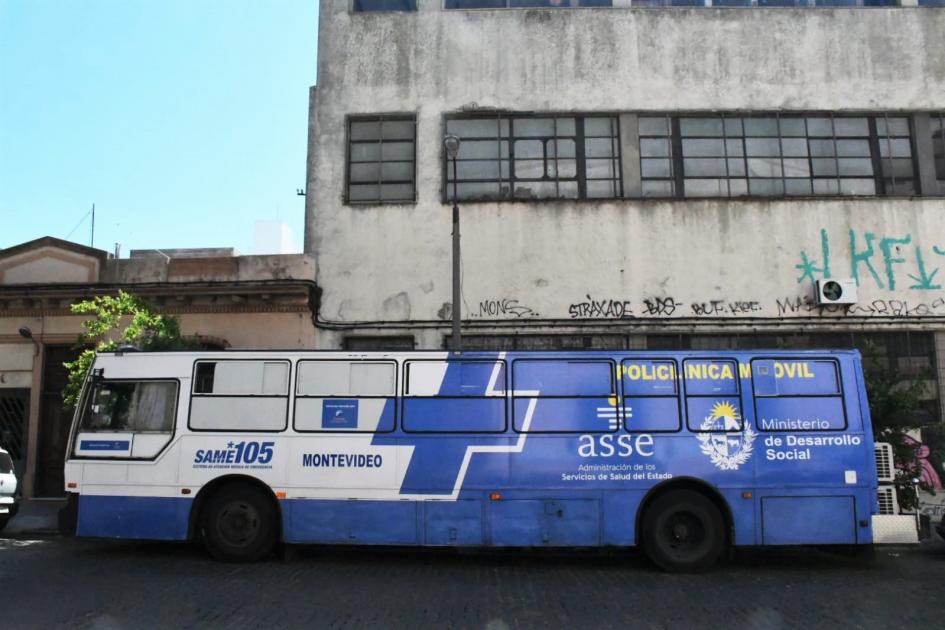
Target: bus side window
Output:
[(800, 394), (240, 395), (650, 395), (454, 396), (560, 396), (713, 401), (346, 396)]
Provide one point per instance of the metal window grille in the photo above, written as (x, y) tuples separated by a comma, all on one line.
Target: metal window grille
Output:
[(534, 157), (379, 342), (14, 411), (542, 342), (381, 159)]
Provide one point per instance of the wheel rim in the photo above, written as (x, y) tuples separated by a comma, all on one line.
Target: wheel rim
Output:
[(684, 534), (238, 523)]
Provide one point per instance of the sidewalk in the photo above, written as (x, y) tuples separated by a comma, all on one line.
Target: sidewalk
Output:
[(36, 516)]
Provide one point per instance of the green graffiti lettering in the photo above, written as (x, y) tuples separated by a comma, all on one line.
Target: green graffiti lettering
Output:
[(923, 280), (863, 257), (808, 267), (886, 246)]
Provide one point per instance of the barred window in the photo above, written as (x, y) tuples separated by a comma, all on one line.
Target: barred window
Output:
[(528, 157), (381, 157), (763, 156)]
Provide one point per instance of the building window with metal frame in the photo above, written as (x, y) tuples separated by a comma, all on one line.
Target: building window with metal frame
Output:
[(721, 155), (937, 122), (365, 6), (381, 164), (524, 4), (522, 157), (769, 3)]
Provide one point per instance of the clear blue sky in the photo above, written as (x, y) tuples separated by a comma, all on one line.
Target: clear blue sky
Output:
[(184, 121)]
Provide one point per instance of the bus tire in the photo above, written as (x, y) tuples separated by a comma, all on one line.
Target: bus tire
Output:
[(683, 531), (239, 524)]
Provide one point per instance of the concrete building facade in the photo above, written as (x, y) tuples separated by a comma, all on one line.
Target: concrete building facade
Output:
[(631, 176), (224, 299)]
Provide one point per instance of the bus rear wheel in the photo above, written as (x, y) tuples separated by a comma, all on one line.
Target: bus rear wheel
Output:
[(239, 524), (683, 531)]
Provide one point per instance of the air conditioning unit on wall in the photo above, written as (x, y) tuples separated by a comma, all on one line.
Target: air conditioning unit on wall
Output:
[(841, 291)]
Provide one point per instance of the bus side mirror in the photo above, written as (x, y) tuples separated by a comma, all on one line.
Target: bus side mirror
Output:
[(98, 375)]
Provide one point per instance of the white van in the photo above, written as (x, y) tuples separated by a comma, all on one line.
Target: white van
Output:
[(9, 503)]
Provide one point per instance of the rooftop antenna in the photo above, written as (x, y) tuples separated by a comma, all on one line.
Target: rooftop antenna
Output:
[(92, 237)]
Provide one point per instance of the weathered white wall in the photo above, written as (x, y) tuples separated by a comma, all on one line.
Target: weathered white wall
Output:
[(627, 260)]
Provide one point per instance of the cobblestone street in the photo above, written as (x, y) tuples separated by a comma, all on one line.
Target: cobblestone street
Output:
[(54, 582)]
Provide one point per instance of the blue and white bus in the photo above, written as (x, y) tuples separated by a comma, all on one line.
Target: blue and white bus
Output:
[(684, 453)]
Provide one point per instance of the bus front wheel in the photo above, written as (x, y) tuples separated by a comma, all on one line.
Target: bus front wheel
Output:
[(683, 531), (239, 524)]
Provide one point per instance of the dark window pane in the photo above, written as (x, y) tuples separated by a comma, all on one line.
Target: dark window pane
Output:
[(701, 167), (654, 147), (763, 146), (397, 192), (851, 166), (766, 187), (761, 127), (370, 130), (655, 168), (599, 147), (700, 127), (653, 126), (764, 167), (850, 127), (857, 187), (384, 5), (797, 187), (703, 147), (564, 148), (369, 172), (601, 189), (894, 147), (795, 127), (656, 188), (599, 127), (475, 4)]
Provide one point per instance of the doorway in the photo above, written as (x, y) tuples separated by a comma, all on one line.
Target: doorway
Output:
[(54, 422)]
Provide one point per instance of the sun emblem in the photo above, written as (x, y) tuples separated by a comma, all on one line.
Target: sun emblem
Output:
[(726, 446)]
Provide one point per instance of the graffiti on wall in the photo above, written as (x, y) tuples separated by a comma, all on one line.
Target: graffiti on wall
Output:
[(500, 308), (891, 263)]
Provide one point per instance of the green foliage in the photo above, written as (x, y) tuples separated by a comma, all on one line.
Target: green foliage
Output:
[(897, 407), (143, 328)]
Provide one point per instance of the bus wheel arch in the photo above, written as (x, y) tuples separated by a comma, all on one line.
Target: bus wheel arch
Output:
[(251, 497), (697, 498)]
